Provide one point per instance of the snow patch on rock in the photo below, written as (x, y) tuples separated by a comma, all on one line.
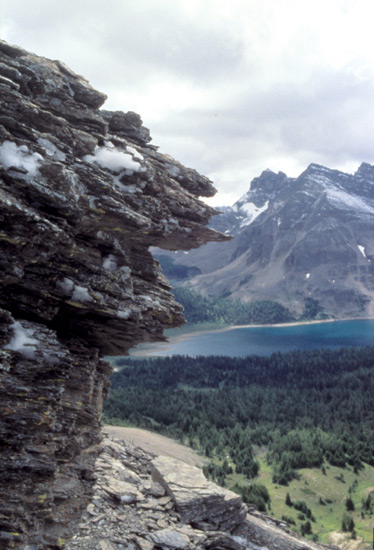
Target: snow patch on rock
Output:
[(344, 200), (124, 313), (81, 294), (113, 160), (78, 293), (22, 340), (110, 263), (251, 212), (14, 156), (66, 285), (134, 152)]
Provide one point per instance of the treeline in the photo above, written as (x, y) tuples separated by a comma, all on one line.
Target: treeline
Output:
[(307, 407), (209, 309), (201, 309)]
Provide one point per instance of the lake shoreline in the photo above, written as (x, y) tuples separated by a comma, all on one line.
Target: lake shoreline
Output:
[(300, 323), (149, 349), (196, 331)]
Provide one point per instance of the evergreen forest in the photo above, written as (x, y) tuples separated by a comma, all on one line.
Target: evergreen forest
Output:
[(208, 309), (303, 409), (304, 406)]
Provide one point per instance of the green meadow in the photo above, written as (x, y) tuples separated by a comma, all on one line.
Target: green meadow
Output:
[(325, 494)]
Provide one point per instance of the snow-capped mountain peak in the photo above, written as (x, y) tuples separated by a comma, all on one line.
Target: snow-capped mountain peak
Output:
[(294, 238)]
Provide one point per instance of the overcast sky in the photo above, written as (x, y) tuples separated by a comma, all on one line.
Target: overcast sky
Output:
[(229, 87)]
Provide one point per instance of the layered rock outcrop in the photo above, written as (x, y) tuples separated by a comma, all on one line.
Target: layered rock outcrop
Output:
[(143, 502), (83, 195), (198, 501)]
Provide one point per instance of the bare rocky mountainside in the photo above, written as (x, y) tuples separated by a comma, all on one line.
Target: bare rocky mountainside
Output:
[(295, 238), (83, 196)]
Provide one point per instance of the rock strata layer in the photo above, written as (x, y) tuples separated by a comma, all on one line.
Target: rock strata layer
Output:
[(197, 500), (142, 502), (83, 196)]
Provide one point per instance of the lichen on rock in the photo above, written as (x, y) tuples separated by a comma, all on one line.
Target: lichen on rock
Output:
[(83, 196)]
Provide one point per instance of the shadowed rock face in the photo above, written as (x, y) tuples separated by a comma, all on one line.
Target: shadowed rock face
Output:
[(83, 195)]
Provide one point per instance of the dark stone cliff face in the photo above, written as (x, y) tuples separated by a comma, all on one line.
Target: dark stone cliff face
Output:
[(83, 196)]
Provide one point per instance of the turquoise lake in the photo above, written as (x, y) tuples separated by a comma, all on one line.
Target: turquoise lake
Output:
[(239, 342)]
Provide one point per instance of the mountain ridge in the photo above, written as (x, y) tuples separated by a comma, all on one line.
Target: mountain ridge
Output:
[(293, 239)]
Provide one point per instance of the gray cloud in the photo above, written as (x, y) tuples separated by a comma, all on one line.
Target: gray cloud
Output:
[(230, 89), (131, 39), (329, 117)]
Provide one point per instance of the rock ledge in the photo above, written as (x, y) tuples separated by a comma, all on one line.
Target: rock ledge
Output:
[(142, 502)]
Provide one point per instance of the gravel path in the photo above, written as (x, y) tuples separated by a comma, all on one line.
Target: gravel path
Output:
[(156, 444)]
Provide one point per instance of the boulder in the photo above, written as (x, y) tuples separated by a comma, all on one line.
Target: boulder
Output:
[(170, 539), (197, 500)]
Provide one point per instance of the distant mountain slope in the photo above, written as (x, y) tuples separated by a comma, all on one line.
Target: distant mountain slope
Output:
[(311, 236)]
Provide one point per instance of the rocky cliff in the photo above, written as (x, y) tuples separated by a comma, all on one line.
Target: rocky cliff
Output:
[(143, 502), (295, 238), (83, 196)]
